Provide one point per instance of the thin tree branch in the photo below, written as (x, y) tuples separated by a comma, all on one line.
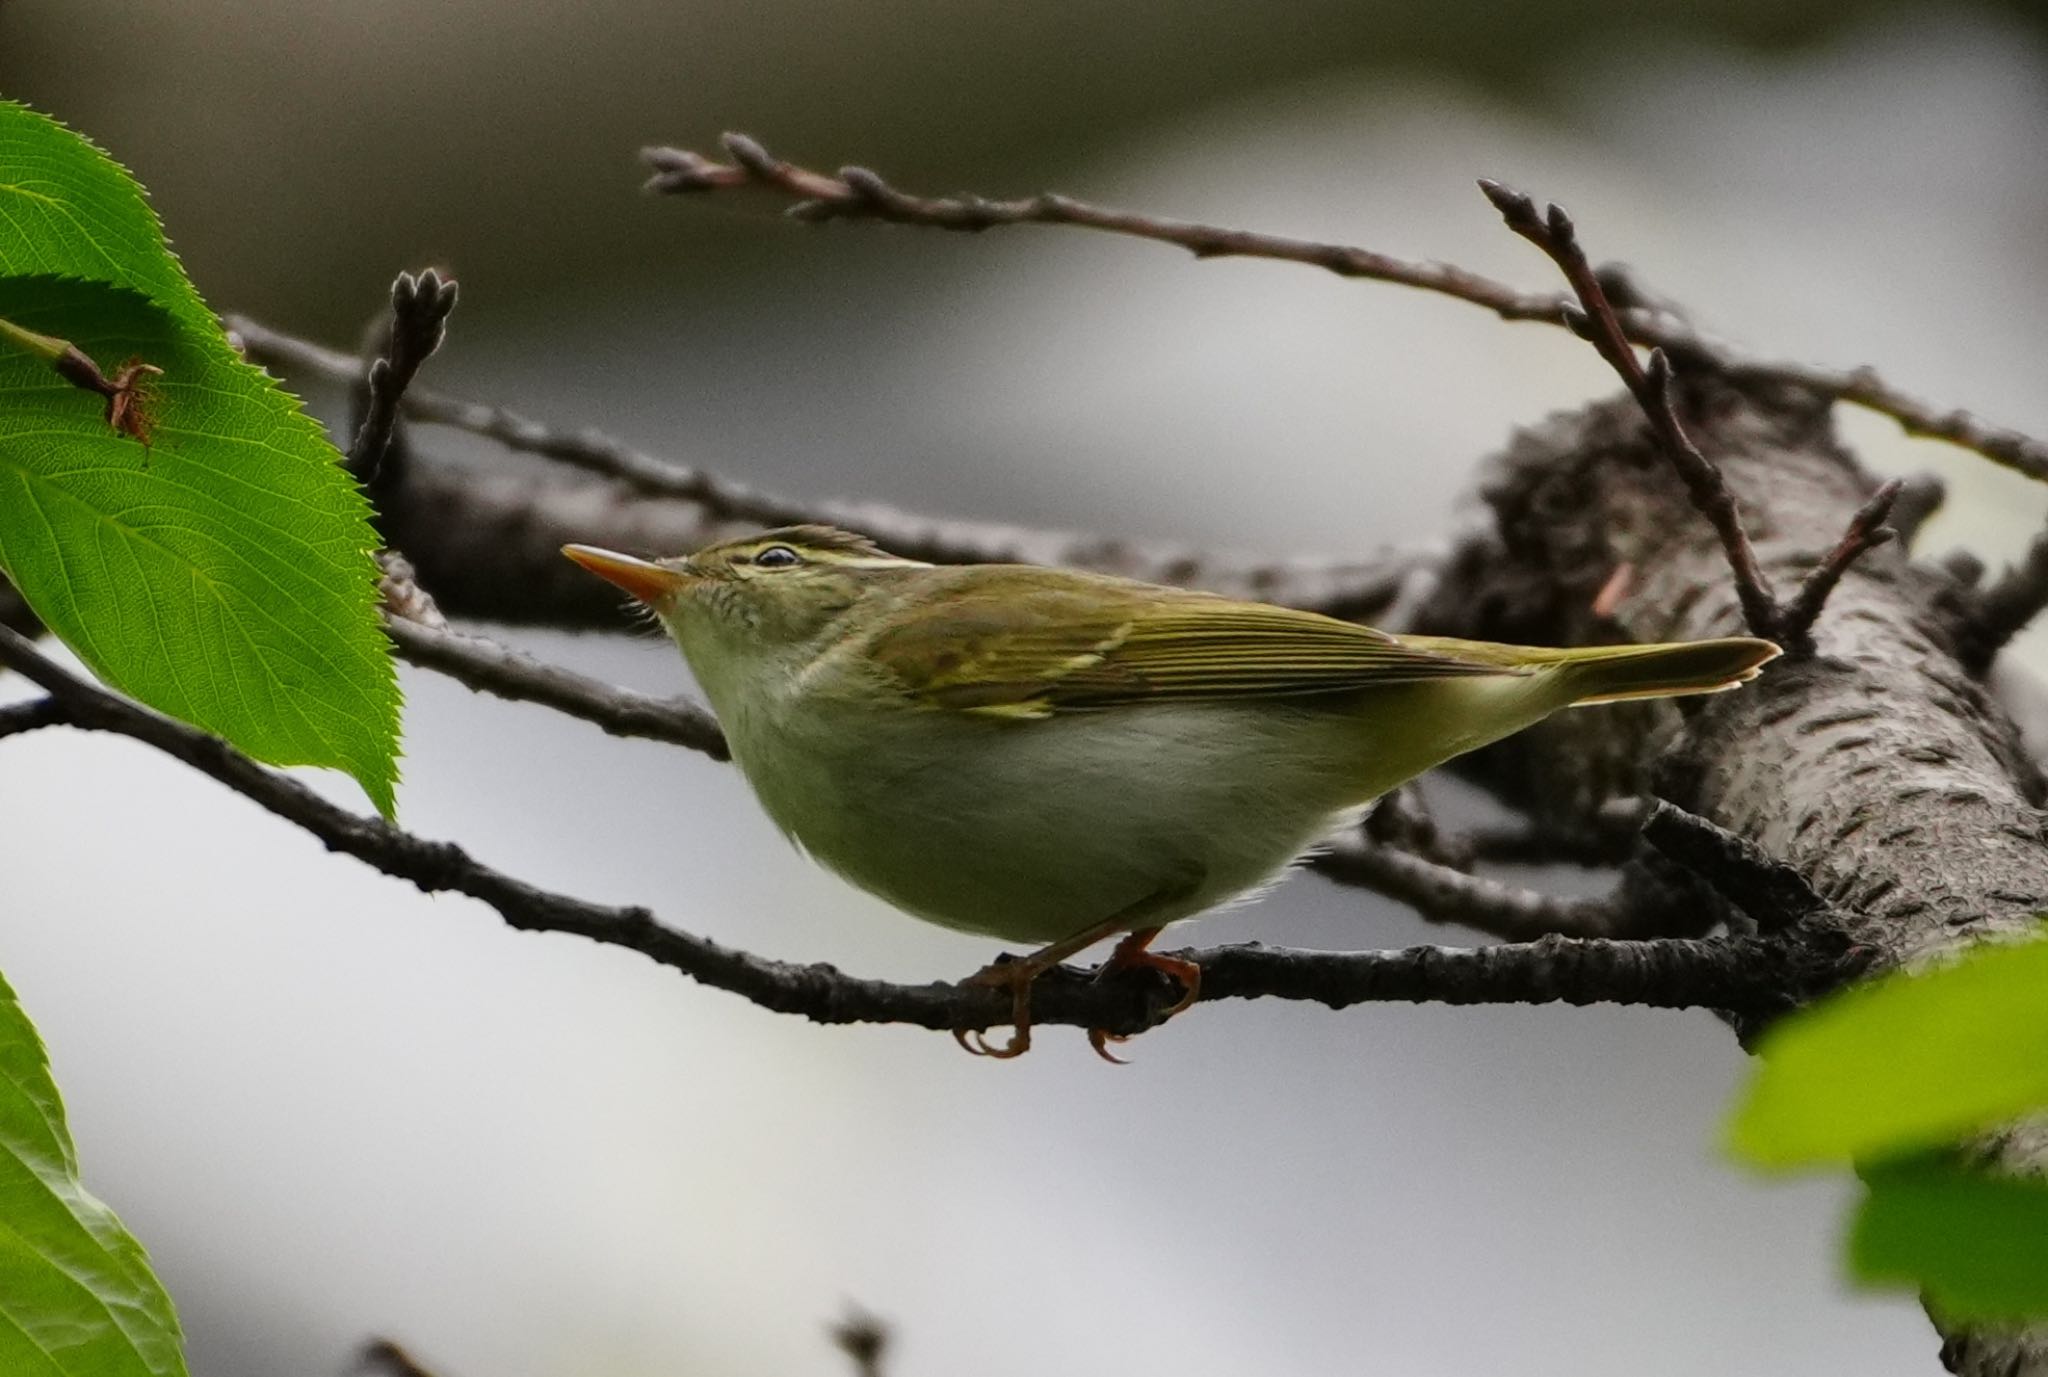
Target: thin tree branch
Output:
[(422, 635), (1921, 495), (859, 194), (2003, 610), (420, 305), (1440, 894), (1595, 321), (492, 668), (14, 611), (1863, 387), (16, 718), (1402, 821), (589, 450), (1867, 530), (1734, 974)]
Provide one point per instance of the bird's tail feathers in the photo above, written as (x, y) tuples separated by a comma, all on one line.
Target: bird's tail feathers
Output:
[(1615, 674)]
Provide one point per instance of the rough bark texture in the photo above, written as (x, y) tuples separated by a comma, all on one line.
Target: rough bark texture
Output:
[(1881, 768)]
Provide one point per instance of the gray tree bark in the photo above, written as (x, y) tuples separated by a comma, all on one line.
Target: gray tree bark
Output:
[(1882, 769)]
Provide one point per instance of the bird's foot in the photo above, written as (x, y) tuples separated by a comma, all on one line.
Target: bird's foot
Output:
[(1132, 954), (1015, 977)]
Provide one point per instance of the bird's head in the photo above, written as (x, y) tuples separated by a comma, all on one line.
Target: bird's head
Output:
[(774, 590)]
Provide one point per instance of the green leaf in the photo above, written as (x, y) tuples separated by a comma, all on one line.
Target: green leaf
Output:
[(1976, 1245), (1905, 1062), (77, 1297), (223, 575)]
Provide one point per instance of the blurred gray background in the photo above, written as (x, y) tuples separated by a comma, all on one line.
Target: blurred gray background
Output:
[(333, 1108)]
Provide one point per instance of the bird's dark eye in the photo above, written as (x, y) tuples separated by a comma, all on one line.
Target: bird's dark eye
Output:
[(776, 557)]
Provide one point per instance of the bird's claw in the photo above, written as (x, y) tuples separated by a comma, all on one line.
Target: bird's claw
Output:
[(1016, 977)]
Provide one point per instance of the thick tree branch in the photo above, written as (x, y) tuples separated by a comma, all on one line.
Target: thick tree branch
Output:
[(1751, 977), (1773, 894), (859, 194), (1880, 769)]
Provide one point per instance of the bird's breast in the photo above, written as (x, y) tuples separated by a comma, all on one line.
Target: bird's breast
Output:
[(1031, 830)]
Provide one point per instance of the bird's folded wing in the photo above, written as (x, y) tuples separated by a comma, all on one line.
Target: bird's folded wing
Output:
[(1030, 653)]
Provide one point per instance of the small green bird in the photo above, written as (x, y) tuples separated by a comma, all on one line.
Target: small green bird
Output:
[(1056, 758)]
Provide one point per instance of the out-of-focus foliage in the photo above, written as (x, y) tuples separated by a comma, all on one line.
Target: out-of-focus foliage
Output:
[(1882, 1073), (77, 1297), (1909, 1061), (1975, 1245)]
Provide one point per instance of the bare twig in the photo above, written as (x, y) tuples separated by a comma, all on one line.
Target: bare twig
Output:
[(1867, 530), (589, 450), (857, 193), (1920, 496), (1595, 321), (16, 718), (1440, 894), (422, 635), (1863, 387), (420, 305), (2003, 610), (487, 666), (14, 611), (1734, 974), (1341, 588)]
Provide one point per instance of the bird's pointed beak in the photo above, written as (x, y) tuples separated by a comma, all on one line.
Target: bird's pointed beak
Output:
[(651, 583)]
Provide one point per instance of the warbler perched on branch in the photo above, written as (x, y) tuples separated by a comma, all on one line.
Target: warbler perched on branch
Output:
[(1056, 758)]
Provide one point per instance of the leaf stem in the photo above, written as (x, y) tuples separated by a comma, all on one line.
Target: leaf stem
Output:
[(128, 393), (42, 346)]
